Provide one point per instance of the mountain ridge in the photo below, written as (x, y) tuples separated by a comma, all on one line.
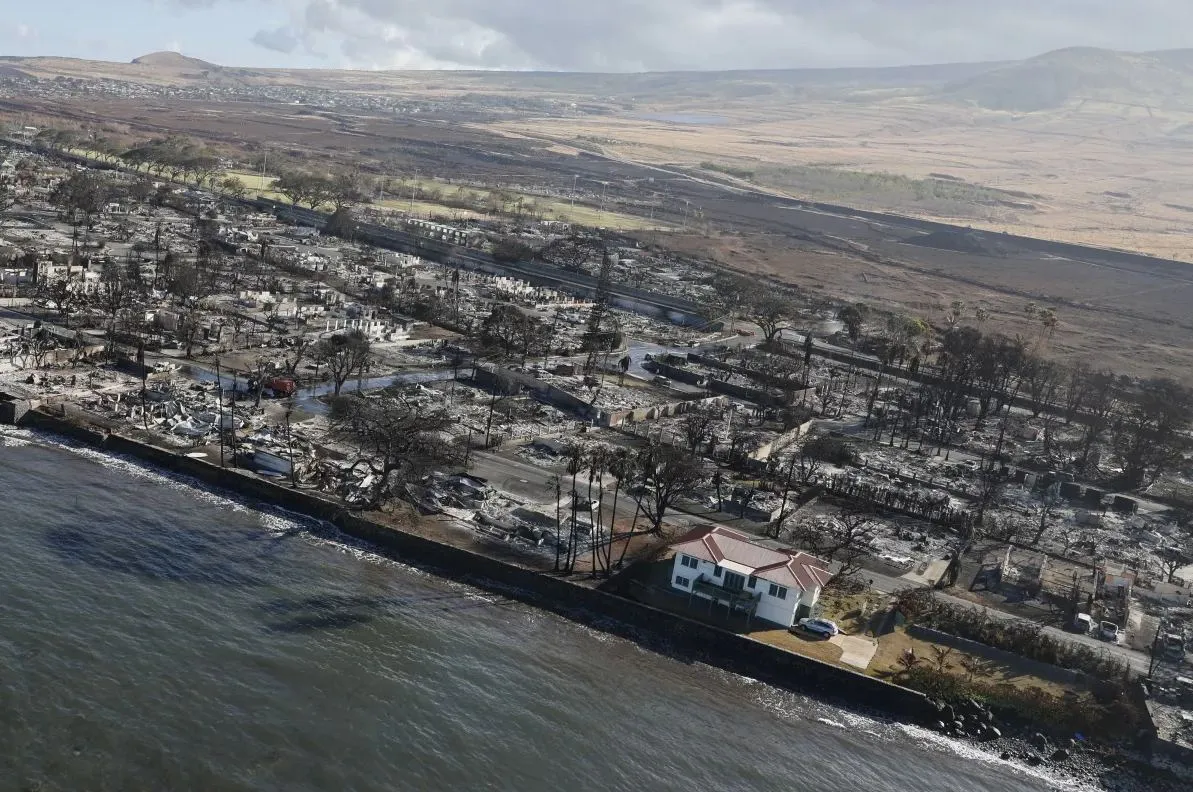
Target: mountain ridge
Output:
[(1046, 82), (1062, 77)]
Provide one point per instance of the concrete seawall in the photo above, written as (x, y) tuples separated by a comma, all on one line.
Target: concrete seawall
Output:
[(659, 630)]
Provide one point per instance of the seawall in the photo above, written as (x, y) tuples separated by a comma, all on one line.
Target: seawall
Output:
[(659, 630)]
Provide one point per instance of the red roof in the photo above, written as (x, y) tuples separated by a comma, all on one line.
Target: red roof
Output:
[(716, 543)]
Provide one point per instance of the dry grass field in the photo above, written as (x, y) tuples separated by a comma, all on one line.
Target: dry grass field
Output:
[(1098, 174), (1129, 323)]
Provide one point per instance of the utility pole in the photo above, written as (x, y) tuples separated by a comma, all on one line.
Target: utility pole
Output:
[(596, 317), (220, 400), (575, 181), (232, 425), (264, 164)]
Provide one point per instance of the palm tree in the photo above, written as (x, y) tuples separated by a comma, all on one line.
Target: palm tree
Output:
[(621, 467), (598, 461), (953, 317), (555, 482), (576, 454)]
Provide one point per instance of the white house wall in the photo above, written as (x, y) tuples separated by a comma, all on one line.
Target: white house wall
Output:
[(773, 609)]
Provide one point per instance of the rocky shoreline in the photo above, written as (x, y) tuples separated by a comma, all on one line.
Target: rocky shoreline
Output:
[(1115, 768)]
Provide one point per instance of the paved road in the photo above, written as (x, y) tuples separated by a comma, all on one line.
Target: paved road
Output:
[(1137, 660)]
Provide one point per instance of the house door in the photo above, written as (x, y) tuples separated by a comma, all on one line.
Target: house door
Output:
[(734, 581)]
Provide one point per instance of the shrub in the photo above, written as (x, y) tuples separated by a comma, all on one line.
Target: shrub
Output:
[(1021, 637)]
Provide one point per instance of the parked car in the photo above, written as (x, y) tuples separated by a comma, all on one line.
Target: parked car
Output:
[(1110, 631), (1084, 623), (819, 627)]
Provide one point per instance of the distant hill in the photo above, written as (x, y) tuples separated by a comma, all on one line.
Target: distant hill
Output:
[(173, 60), (1064, 77), (1055, 80)]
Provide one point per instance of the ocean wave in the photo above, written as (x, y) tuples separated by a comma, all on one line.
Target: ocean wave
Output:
[(276, 520), (971, 752)]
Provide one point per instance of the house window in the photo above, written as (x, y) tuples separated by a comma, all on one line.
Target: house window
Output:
[(716, 571), (682, 581), (778, 592), (688, 561), (753, 581)]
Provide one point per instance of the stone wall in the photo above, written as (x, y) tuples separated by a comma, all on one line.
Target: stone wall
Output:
[(659, 630), (1053, 673)]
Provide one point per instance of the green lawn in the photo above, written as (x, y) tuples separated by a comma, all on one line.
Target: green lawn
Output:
[(548, 208)]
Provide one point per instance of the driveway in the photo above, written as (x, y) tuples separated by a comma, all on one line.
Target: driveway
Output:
[(856, 651)]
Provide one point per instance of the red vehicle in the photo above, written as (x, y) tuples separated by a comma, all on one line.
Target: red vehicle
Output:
[(281, 386)]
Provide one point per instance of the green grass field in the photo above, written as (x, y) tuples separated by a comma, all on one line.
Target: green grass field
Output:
[(532, 205)]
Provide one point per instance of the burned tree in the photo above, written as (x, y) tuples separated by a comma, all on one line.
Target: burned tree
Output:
[(344, 354), (662, 474), (1100, 404), (1149, 436), (514, 332), (62, 295), (697, 426), (770, 311), (844, 538), (782, 479), (1050, 501), (190, 328), (399, 440), (80, 198), (1176, 556), (116, 295)]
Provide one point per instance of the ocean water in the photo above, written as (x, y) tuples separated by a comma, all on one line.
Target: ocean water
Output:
[(155, 636)]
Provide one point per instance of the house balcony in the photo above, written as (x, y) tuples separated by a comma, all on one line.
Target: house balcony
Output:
[(740, 599)]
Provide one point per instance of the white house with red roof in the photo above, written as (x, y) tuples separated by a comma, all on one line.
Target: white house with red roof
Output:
[(740, 572)]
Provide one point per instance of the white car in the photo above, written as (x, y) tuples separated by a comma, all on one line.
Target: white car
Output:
[(1110, 632), (583, 503), (820, 627)]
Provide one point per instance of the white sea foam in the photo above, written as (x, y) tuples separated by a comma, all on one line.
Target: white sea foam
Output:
[(273, 520), (971, 752), (11, 437)]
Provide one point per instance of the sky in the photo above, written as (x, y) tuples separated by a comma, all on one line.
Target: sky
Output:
[(587, 35)]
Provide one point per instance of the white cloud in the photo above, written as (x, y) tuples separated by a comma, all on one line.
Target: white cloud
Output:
[(24, 32), (623, 35)]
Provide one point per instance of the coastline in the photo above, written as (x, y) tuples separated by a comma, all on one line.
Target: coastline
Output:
[(657, 631)]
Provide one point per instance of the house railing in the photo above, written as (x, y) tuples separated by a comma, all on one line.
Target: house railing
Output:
[(735, 599)]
